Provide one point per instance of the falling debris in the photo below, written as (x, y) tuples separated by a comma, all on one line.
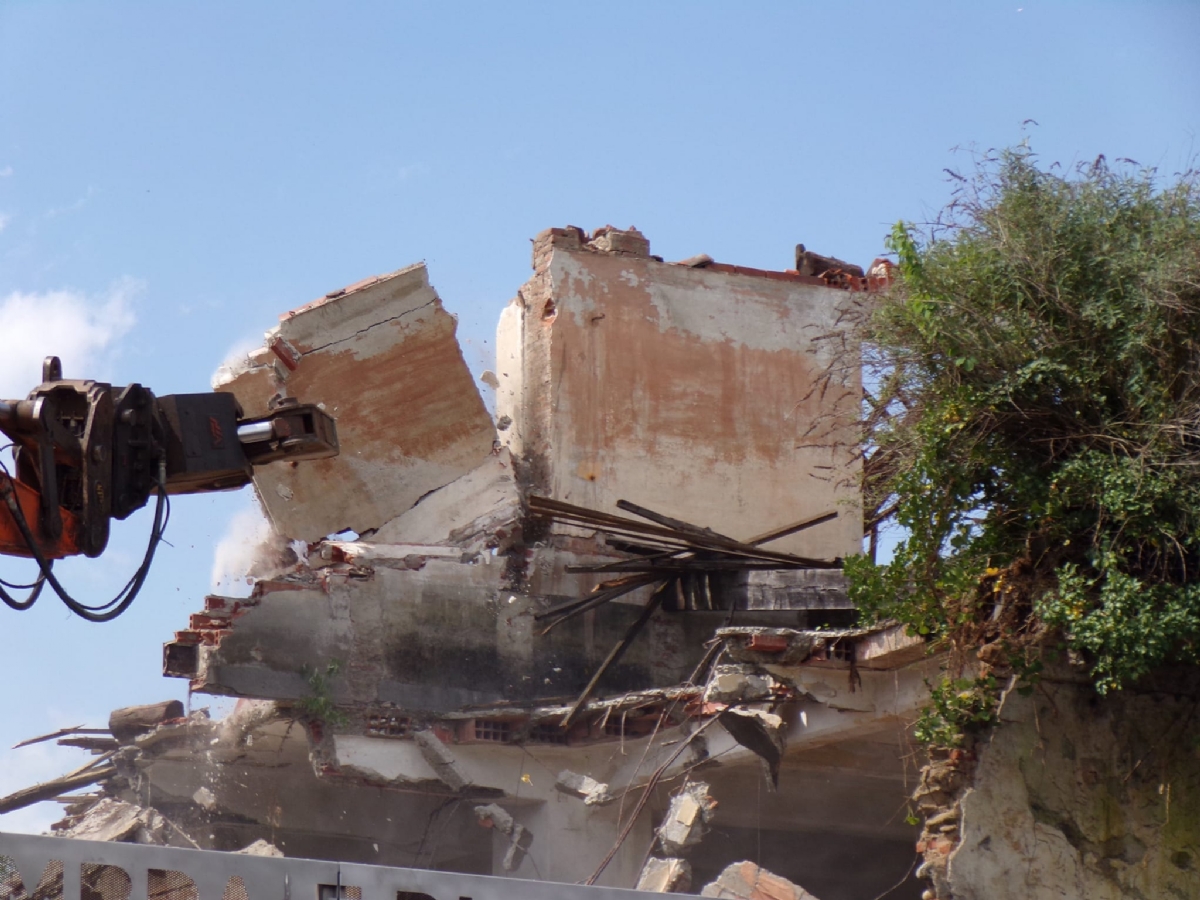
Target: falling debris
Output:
[(204, 797), (589, 789), (760, 732), (687, 818), (439, 756), (493, 816)]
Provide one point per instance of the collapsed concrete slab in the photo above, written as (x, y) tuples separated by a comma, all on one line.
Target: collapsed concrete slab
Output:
[(478, 511), (416, 630), (115, 820), (381, 357)]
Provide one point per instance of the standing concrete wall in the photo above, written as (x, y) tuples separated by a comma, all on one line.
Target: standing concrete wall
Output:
[(725, 397)]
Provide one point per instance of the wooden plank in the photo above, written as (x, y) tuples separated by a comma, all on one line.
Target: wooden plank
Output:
[(50, 789), (786, 530), (62, 732), (127, 723)]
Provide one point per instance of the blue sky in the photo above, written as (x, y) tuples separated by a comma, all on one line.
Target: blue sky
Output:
[(175, 175)]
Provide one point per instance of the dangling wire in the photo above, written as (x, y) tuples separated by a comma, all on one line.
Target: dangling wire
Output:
[(104, 612), (35, 590)]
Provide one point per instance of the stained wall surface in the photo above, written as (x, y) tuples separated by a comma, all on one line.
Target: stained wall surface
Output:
[(1083, 797), (721, 397)]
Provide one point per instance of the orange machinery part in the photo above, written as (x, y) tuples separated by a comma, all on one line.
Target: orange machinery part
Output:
[(29, 500)]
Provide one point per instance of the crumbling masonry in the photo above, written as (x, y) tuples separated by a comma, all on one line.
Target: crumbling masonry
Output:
[(599, 633)]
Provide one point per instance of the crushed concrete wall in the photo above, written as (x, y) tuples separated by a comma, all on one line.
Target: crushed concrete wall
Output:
[(382, 358), (1083, 797), (724, 395), (470, 650)]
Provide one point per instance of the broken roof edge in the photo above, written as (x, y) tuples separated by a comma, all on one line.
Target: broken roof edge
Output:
[(277, 344), (633, 243), (361, 284)]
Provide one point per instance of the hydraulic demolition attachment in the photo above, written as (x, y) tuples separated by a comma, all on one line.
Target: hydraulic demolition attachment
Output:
[(85, 452)]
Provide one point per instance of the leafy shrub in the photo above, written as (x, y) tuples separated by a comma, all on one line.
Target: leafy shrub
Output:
[(1035, 423)]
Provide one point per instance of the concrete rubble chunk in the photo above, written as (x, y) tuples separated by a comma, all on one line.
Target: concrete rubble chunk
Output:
[(809, 263), (774, 646), (593, 792), (522, 838), (665, 876), (438, 756), (687, 818), (739, 684), (128, 722), (260, 848), (494, 816), (205, 797), (115, 820), (381, 357), (746, 881), (626, 243)]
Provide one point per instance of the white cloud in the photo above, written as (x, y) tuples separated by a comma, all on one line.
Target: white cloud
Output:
[(251, 550), (6, 171), (5, 218), (78, 328), (55, 211)]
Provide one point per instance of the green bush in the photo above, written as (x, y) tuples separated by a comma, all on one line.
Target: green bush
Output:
[(957, 708), (318, 704), (1035, 424)]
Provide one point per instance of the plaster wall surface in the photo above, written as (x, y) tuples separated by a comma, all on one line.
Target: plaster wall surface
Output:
[(1085, 798), (721, 398)]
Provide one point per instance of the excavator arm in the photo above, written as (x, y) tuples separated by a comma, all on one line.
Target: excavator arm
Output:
[(86, 452)]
